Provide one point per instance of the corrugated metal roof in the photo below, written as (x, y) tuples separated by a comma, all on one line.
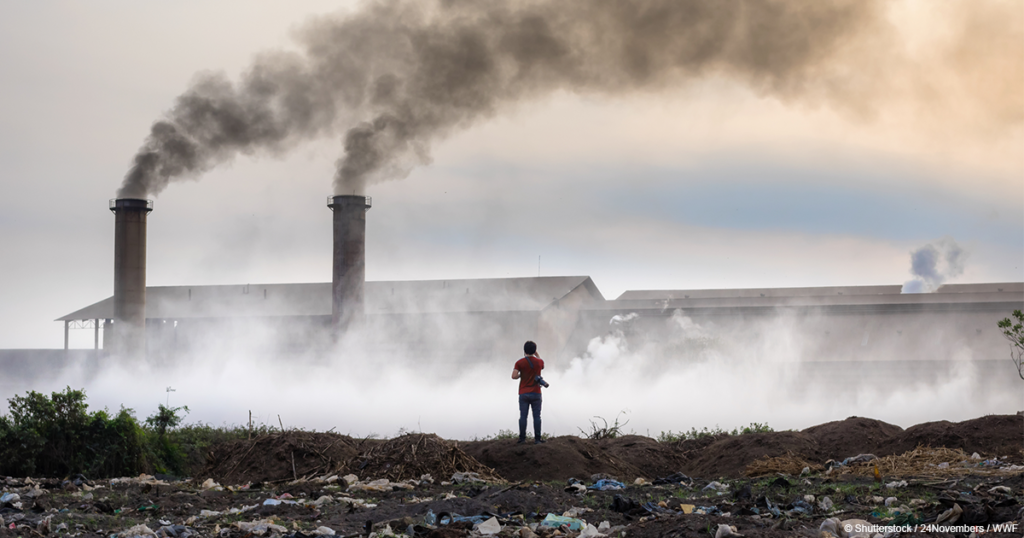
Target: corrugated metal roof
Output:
[(640, 295), (382, 297), (853, 296)]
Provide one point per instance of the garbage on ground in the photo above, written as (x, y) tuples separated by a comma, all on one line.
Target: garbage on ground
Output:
[(489, 527), (555, 522), (463, 478), (606, 484), (950, 516), (589, 531), (260, 527), (716, 486), (138, 530), (211, 484), (725, 531), (825, 504), (576, 511), (896, 484), (889, 501), (641, 482)]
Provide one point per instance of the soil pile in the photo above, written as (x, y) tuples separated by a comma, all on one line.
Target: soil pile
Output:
[(856, 435), (414, 455), (279, 456), (731, 455), (994, 435)]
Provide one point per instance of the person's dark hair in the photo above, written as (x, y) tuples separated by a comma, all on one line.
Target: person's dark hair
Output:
[(530, 348)]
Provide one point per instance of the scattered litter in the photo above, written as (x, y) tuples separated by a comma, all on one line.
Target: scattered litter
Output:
[(464, 478), (889, 501), (324, 531), (606, 484), (555, 522), (716, 486), (576, 511), (724, 531), (489, 527), (138, 530), (589, 531), (211, 484), (1001, 489), (896, 484), (641, 482), (950, 516), (825, 504), (9, 498), (260, 527)]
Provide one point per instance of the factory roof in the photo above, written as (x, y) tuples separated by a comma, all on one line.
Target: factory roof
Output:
[(382, 297), (847, 297)]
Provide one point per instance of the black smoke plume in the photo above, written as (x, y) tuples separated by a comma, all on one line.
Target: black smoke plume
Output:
[(399, 74)]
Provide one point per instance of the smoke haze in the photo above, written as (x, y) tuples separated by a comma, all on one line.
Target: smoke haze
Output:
[(933, 264), (397, 76)]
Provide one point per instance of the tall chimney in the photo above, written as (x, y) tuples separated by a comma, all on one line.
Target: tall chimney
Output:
[(129, 338), (349, 275)]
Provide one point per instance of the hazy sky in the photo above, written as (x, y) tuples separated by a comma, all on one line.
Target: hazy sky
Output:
[(709, 184)]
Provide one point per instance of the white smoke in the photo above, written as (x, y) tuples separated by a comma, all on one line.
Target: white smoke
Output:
[(933, 264)]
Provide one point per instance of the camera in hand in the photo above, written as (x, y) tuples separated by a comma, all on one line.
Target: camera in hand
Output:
[(540, 381)]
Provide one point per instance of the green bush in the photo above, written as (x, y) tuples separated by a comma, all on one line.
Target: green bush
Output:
[(57, 436)]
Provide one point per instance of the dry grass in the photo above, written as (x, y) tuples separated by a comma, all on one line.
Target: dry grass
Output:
[(414, 455), (922, 461), (788, 464)]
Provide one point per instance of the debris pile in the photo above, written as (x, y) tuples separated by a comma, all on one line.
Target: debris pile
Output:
[(413, 455), (279, 457)]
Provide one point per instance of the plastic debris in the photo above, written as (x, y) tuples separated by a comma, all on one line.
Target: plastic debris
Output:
[(554, 521), (1001, 489), (855, 524), (260, 527), (489, 527), (825, 504), (606, 484), (674, 478), (9, 498), (809, 498), (211, 484), (209, 513), (950, 516), (589, 531), (724, 531), (463, 478), (138, 530), (896, 484), (889, 501), (716, 486), (324, 531), (641, 482)]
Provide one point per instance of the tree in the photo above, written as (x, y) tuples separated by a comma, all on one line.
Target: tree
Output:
[(1013, 330), (166, 418)]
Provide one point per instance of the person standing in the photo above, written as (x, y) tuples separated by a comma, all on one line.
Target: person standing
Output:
[(527, 370)]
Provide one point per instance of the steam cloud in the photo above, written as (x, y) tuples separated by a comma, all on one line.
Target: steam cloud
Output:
[(400, 74), (934, 264)]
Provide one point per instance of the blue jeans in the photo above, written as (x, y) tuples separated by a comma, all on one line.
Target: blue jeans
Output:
[(526, 401)]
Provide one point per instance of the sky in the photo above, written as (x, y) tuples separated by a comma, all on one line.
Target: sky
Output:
[(709, 183)]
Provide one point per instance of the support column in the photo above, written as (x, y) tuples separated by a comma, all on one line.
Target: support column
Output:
[(95, 334), (67, 325)]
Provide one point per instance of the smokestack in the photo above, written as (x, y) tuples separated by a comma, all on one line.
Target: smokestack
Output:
[(129, 338), (349, 273)]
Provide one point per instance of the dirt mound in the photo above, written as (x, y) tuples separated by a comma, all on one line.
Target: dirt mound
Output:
[(729, 456), (558, 459), (651, 458), (279, 457), (414, 455), (856, 435), (994, 435)]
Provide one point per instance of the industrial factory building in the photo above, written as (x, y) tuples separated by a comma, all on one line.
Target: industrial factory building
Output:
[(479, 319)]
